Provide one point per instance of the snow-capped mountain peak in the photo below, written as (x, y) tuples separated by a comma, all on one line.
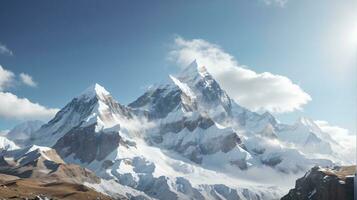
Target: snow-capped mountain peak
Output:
[(193, 72), (94, 90), (94, 107), (191, 89), (201, 82)]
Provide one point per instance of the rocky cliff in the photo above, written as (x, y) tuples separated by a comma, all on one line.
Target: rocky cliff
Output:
[(324, 184)]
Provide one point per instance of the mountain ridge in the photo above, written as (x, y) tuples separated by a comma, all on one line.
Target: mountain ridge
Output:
[(173, 141)]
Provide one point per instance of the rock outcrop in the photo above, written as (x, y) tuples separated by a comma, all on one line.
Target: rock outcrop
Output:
[(324, 184), (39, 173)]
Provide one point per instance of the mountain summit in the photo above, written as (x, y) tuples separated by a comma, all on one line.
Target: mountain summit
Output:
[(193, 71), (94, 107), (94, 90)]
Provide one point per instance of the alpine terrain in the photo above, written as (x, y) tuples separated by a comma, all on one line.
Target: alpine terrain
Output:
[(184, 139)]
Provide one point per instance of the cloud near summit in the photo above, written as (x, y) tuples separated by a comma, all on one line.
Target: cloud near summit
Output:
[(256, 91)]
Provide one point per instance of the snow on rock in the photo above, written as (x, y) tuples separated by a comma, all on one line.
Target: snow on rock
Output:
[(6, 144), (163, 176), (94, 106), (94, 90)]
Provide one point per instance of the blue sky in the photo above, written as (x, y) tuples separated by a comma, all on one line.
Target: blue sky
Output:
[(124, 45)]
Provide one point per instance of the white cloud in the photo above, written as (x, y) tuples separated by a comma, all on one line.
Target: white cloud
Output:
[(280, 3), (345, 139), (27, 80), (13, 107), (6, 78), (256, 91), (4, 50)]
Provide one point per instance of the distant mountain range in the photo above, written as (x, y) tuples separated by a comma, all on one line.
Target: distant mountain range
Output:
[(185, 139)]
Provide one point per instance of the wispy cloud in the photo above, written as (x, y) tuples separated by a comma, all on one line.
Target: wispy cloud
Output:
[(256, 91), (27, 80), (280, 3), (5, 51), (7, 78)]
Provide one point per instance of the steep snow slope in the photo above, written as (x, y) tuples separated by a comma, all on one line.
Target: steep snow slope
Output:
[(6, 144), (94, 106)]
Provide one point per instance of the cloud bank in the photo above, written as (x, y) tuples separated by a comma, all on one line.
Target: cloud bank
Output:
[(13, 107), (27, 80), (256, 91)]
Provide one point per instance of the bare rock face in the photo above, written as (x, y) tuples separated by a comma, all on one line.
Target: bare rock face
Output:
[(162, 100), (191, 125), (324, 184), (86, 144)]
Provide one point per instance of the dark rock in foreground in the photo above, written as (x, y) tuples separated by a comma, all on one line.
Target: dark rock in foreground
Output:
[(324, 184)]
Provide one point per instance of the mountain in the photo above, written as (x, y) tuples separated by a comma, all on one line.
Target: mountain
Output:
[(93, 106), (22, 132), (325, 184), (37, 171), (178, 137), (193, 90), (195, 117)]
